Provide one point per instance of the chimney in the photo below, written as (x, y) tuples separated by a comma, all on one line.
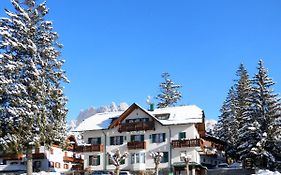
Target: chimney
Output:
[(151, 107)]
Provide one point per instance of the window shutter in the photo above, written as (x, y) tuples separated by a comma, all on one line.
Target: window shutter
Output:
[(89, 140), (111, 140), (164, 137), (90, 160), (98, 160), (142, 137), (153, 138), (99, 140)]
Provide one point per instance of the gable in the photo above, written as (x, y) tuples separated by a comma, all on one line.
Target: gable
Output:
[(135, 114)]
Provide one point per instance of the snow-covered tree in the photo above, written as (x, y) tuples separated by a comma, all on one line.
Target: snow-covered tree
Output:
[(244, 91), (253, 111), (226, 128), (170, 94), (234, 111), (32, 102), (266, 112), (243, 108)]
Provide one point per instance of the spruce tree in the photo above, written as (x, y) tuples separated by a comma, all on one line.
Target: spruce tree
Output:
[(226, 128), (170, 94), (267, 114), (243, 108), (32, 102)]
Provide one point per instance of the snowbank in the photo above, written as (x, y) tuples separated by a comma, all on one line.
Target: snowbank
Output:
[(267, 172), (44, 173)]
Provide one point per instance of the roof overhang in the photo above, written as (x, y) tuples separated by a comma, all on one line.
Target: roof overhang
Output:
[(125, 114)]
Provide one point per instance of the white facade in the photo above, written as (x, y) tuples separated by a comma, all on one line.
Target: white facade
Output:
[(54, 159), (178, 124)]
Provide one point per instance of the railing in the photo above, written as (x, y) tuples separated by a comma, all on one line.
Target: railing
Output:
[(136, 145), (72, 159), (137, 126), (12, 156), (77, 167), (186, 143), (90, 148)]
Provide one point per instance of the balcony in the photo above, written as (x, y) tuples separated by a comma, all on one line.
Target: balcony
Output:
[(12, 156), (186, 143), (137, 126), (73, 159), (136, 145), (77, 167), (90, 148)]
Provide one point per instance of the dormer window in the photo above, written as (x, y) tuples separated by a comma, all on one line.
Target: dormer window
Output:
[(137, 120), (162, 116)]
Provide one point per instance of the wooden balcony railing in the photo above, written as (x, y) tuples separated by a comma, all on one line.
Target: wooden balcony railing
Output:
[(90, 148), (12, 156), (186, 143), (77, 167), (136, 145), (137, 126), (72, 159)]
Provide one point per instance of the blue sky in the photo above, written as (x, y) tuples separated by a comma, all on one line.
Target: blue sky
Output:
[(116, 50)]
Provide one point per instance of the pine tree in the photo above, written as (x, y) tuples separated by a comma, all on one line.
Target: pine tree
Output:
[(226, 128), (32, 102), (267, 114), (170, 94), (234, 110), (244, 90)]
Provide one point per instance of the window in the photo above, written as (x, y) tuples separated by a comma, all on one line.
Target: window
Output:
[(158, 138), (137, 138), (117, 140), (94, 160), (137, 120), (137, 158), (94, 141), (165, 157), (57, 165), (162, 116), (182, 135), (65, 166)]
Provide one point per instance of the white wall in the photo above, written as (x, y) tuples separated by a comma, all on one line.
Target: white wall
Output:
[(191, 133)]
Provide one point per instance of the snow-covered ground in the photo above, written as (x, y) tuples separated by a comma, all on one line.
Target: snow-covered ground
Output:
[(44, 173), (267, 172)]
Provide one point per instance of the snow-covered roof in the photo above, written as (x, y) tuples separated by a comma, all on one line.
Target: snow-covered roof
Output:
[(98, 121), (180, 114), (177, 115)]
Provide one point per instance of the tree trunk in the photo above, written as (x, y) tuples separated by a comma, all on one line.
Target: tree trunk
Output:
[(187, 168), (117, 170), (156, 169), (29, 160)]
